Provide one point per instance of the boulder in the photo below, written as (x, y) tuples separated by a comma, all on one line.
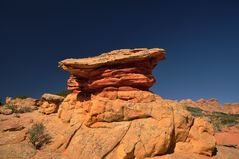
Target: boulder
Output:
[(50, 103), (52, 98)]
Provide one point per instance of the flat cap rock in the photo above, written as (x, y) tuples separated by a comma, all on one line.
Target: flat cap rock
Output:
[(121, 56), (52, 97)]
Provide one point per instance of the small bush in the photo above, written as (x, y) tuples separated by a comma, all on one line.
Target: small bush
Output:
[(12, 107), (220, 120), (63, 93), (18, 110), (229, 121), (24, 110), (37, 135), (194, 111), (21, 97)]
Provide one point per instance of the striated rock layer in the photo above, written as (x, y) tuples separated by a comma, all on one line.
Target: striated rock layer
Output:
[(114, 116), (126, 67)]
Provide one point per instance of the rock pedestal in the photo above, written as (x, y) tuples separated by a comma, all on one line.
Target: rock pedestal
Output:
[(114, 116)]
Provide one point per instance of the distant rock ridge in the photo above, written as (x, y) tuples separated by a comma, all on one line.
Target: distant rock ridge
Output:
[(212, 105)]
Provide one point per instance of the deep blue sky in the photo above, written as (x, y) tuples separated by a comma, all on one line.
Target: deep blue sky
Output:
[(201, 39)]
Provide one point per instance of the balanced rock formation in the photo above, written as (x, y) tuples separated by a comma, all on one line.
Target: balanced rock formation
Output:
[(114, 116), (50, 103)]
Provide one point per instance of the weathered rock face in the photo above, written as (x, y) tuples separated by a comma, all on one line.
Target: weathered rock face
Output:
[(50, 103), (132, 124), (117, 68), (117, 117)]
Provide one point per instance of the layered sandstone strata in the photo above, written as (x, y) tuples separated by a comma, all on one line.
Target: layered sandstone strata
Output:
[(114, 116), (126, 67)]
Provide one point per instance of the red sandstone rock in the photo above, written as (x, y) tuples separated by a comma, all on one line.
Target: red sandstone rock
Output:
[(117, 68), (229, 136)]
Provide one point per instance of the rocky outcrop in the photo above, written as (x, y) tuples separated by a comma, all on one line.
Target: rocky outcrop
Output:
[(50, 103), (126, 67), (119, 117), (21, 102), (111, 114), (139, 123), (19, 105)]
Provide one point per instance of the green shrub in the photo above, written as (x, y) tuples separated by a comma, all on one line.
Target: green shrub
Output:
[(63, 93), (24, 110), (21, 97), (220, 120), (37, 135), (229, 121), (194, 111), (9, 106), (18, 110)]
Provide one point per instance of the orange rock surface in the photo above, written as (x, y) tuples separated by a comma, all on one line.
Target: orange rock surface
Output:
[(110, 114), (229, 136), (118, 117)]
